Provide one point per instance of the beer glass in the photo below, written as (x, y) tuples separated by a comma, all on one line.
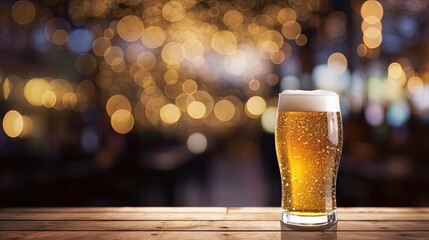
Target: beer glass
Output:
[(309, 141)]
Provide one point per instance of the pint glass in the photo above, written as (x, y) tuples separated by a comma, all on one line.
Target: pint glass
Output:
[(309, 141)]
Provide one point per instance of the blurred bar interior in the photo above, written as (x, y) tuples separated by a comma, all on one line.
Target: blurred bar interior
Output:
[(173, 103)]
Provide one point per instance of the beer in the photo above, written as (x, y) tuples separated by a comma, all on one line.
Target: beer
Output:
[(308, 144)]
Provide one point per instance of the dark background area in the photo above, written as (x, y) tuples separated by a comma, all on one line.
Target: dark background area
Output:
[(63, 145)]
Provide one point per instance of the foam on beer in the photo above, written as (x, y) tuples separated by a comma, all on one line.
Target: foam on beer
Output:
[(309, 101)]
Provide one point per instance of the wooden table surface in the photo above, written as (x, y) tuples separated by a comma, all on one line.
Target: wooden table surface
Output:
[(205, 223)]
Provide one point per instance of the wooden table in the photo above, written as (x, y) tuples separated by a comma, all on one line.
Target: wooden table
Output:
[(205, 223)]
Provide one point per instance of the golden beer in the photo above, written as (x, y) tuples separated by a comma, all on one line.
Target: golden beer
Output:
[(308, 144)]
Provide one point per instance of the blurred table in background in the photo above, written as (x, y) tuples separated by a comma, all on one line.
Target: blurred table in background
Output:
[(205, 223)]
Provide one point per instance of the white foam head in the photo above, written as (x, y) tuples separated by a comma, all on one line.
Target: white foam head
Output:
[(309, 101)]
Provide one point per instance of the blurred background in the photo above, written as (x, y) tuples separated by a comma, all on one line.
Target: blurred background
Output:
[(173, 103)]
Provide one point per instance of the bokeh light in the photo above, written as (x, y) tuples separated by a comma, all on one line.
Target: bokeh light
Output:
[(172, 53), (374, 114), (415, 85), (196, 109), (23, 12), (254, 84), (372, 8), (153, 37), (256, 105), (237, 63), (57, 31), (49, 99), (268, 119), (170, 113), (224, 110), (122, 121), (80, 41), (396, 74), (173, 11), (301, 40), (330, 78), (193, 49), (421, 100), (130, 28), (398, 113), (337, 62), (233, 19), (100, 45), (117, 102), (372, 13), (291, 30), (34, 90), (224, 42), (286, 14), (197, 143), (13, 123)]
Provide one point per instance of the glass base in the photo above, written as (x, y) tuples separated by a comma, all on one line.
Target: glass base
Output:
[(296, 219)]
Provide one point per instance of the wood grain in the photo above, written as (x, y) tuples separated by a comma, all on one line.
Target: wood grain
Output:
[(117, 209), (230, 210), (340, 210), (213, 235), (205, 223), (202, 226), (132, 216)]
